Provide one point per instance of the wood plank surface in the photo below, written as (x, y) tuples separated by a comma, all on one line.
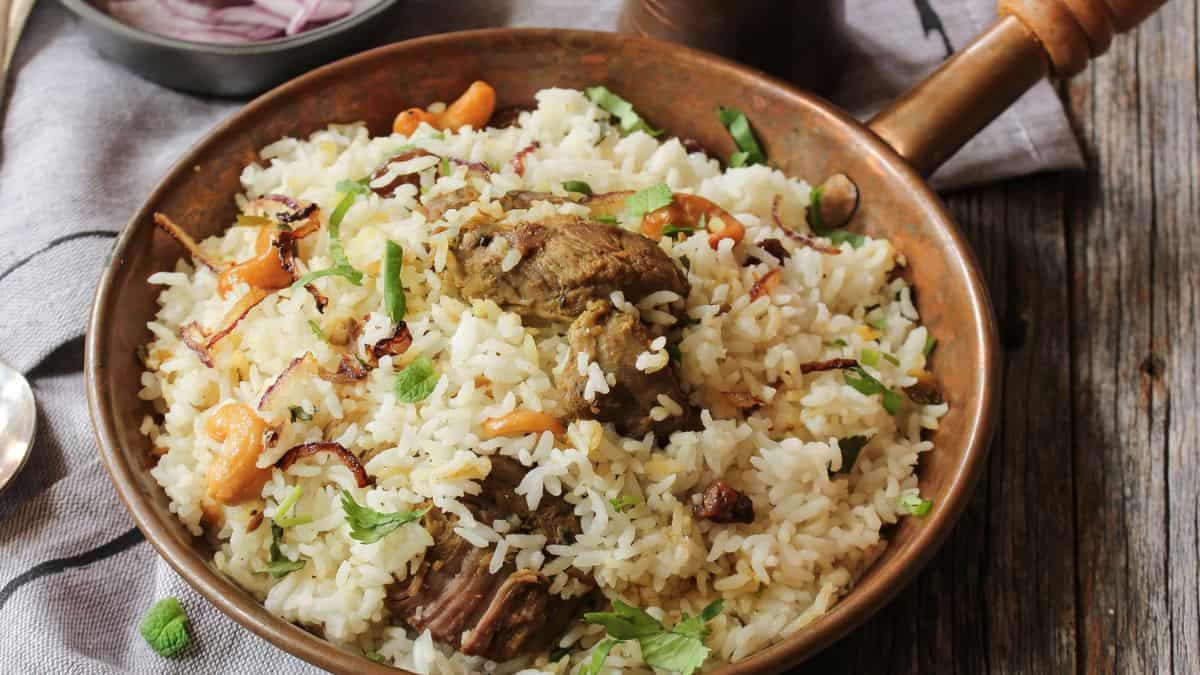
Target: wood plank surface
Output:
[(1080, 551)]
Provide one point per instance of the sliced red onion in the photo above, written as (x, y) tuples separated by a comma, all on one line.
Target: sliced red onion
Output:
[(232, 20)]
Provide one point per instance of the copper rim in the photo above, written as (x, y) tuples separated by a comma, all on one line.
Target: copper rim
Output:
[(877, 587)]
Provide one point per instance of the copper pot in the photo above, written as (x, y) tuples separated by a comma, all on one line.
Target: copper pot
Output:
[(675, 88)]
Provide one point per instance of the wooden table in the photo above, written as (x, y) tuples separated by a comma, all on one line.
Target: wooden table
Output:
[(1078, 553)]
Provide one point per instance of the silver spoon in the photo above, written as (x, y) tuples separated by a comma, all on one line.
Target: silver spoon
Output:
[(18, 420)]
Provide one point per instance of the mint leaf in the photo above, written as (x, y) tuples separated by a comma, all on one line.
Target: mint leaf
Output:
[(915, 505), (749, 151), (680, 648), (279, 566), (673, 651), (627, 118), (416, 382), (651, 199), (930, 344), (368, 525), (165, 627), (599, 654)]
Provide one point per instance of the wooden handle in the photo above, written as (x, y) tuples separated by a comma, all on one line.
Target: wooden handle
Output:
[(1031, 39), (1072, 31)]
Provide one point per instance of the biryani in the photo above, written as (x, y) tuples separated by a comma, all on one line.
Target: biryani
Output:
[(560, 396)]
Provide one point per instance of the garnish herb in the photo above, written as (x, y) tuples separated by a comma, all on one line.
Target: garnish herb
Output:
[(283, 513), (299, 413), (279, 566), (611, 220), (835, 236), (864, 383), (393, 288), (915, 505), (368, 525), (672, 230), (375, 656), (651, 199), (578, 186), (890, 359), (680, 648), (316, 330), (444, 166), (749, 151), (839, 342), (930, 344), (350, 190), (416, 382), (623, 502), (851, 447), (879, 322), (627, 118), (165, 627), (869, 357), (252, 221)]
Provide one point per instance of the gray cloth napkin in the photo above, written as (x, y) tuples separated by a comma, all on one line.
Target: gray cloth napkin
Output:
[(84, 141)]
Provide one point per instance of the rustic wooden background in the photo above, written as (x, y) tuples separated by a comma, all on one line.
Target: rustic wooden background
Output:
[(1078, 553)]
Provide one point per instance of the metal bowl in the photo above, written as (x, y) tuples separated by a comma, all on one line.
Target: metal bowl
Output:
[(234, 70), (677, 89)]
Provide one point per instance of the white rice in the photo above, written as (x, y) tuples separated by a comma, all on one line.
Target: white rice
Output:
[(815, 531)]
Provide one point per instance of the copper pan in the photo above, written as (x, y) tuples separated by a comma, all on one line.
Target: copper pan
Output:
[(677, 89)]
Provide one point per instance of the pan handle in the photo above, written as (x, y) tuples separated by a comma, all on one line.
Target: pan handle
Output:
[(1030, 40)]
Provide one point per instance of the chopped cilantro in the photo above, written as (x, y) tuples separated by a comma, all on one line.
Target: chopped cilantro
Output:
[(749, 151), (651, 199), (368, 525), (627, 118), (890, 359), (914, 505), (316, 330), (835, 236), (577, 186), (869, 357), (930, 344), (672, 230), (850, 446), (444, 166), (165, 627), (878, 322), (375, 656), (611, 220), (839, 342), (623, 502), (393, 288), (283, 513), (350, 190), (279, 566), (416, 382), (680, 648), (299, 413), (864, 383)]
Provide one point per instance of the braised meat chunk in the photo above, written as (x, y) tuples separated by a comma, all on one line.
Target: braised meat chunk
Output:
[(497, 615), (721, 503), (566, 262), (613, 340)]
